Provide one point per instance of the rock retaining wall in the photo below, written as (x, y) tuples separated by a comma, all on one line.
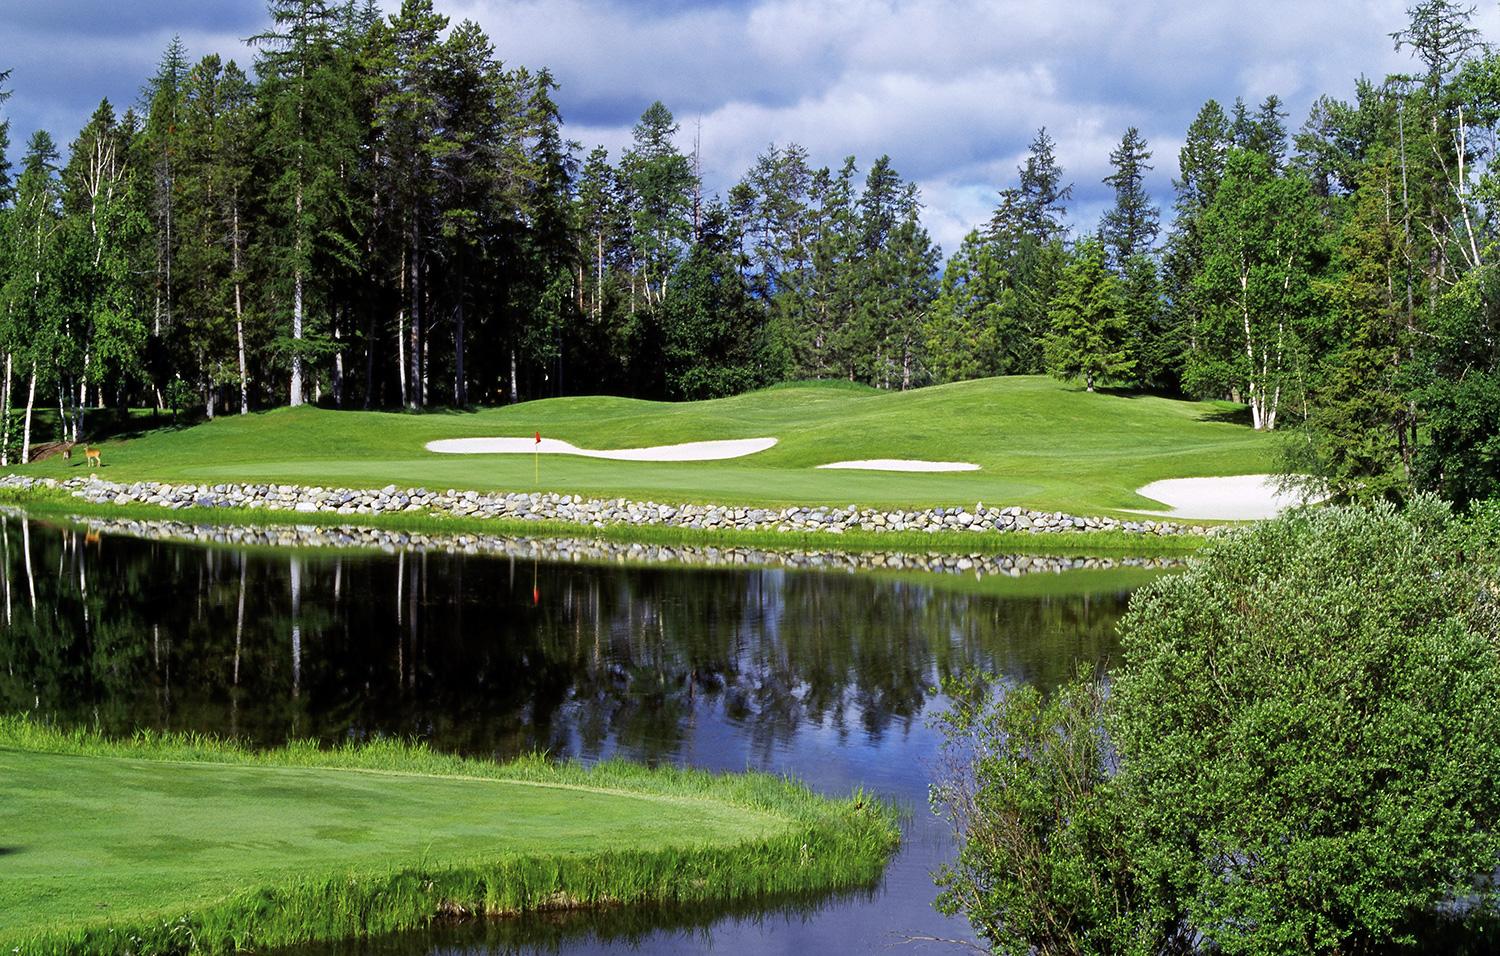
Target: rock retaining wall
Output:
[(593, 512), (590, 551)]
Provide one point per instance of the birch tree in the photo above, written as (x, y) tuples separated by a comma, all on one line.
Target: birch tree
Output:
[(1255, 286)]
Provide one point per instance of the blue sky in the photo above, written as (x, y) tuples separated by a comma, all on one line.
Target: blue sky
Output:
[(951, 89)]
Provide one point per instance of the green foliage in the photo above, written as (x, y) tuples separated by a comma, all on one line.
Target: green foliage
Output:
[(1254, 290), (1089, 337), (1045, 864), (1356, 443), (1302, 742), (1310, 706), (713, 337)]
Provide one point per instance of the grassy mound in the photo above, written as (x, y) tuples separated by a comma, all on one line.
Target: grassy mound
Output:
[(1040, 444), (182, 844)]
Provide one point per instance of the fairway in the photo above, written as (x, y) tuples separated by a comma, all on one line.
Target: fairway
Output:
[(1038, 444), (99, 837)]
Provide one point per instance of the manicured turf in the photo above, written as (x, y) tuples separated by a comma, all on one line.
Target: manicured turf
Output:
[(1041, 444), (96, 835)]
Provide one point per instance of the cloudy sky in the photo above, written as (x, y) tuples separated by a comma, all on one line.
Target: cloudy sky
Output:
[(951, 89)]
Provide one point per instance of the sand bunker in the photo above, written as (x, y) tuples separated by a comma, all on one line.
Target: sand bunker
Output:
[(688, 451), (1237, 498), (902, 464)]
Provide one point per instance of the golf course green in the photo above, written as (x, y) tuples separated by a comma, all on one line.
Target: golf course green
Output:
[(166, 839), (1038, 444)]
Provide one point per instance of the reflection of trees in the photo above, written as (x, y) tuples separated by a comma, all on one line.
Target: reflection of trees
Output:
[(265, 644)]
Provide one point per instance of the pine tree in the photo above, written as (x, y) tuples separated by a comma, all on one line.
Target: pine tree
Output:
[(1355, 440), (962, 329), (713, 334), (409, 117), (8, 332), (306, 99), (218, 130), (1041, 195), (1089, 337), (1268, 132), (163, 98), (659, 180), (5, 166), (1130, 228)]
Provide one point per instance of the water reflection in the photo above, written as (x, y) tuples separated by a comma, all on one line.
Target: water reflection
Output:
[(826, 676)]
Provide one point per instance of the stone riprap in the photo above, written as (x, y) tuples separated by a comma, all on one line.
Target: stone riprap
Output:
[(592, 512), (593, 551)]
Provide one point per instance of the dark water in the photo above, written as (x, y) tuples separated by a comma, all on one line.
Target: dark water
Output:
[(825, 676)]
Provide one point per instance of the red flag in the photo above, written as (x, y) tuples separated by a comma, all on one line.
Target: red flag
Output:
[(538, 437)]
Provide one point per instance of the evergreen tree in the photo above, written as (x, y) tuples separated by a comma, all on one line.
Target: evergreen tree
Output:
[(1355, 443), (660, 181), (1268, 132), (1089, 338), (5, 166), (1130, 228), (961, 331), (1041, 194), (163, 99), (713, 334), (305, 93)]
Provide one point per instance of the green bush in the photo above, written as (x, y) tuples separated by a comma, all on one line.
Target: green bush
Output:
[(1306, 731)]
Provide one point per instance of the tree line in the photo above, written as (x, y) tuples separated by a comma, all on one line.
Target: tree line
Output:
[(381, 213)]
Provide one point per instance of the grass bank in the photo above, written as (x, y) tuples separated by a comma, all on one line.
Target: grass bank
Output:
[(1040, 444), (61, 505), (179, 844)]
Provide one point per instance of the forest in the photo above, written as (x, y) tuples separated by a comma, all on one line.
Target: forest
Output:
[(377, 211)]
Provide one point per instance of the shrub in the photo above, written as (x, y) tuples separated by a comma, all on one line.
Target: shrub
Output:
[(1044, 867), (1306, 726)]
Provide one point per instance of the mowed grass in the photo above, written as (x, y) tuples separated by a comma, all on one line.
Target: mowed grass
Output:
[(1040, 444), (178, 840)]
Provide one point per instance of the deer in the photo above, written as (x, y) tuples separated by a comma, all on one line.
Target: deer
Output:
[(92, 456)]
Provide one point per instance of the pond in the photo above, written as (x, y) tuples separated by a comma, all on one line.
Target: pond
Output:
[(825, 675)]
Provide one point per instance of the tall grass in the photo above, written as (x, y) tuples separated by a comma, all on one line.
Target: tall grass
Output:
[(826, 845)]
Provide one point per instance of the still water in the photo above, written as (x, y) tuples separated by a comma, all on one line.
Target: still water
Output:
[(825, 676)]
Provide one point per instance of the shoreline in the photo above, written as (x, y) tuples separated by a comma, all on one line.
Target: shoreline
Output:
[(980, 530), (593, 551), (851, 840)]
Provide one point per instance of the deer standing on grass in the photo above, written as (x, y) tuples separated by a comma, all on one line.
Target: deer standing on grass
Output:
[(92, 456)]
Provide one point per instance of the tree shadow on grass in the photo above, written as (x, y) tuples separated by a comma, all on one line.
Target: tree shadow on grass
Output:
[(1228, 416), (9, 850)]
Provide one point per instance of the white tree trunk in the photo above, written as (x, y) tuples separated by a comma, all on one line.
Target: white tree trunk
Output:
[(5, 416), (239, 316), (30, 405)]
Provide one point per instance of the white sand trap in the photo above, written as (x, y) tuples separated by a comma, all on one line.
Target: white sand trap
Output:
[(902, 464), (688, 451), (1237, 498)]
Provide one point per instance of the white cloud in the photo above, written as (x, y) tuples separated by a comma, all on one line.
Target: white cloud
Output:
[(952, 89)]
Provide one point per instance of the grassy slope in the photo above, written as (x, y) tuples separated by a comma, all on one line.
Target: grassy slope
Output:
[(170, 833), (1041, 444)]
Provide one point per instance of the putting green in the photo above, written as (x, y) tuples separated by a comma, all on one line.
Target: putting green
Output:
[(1039, 444)]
